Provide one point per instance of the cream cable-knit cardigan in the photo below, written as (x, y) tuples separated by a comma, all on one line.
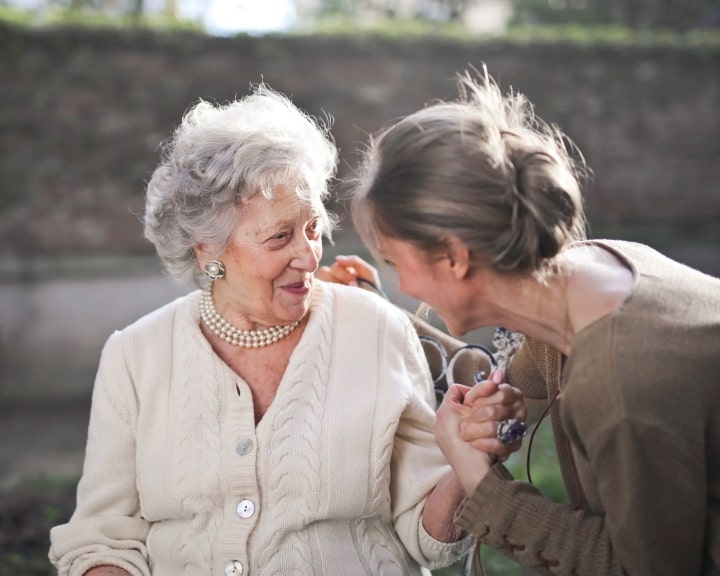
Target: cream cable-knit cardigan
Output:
[(337, 471)]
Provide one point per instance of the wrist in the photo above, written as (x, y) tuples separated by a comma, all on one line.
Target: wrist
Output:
[(471, 473)]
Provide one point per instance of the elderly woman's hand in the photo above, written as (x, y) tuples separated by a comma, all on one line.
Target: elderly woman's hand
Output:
[(348, 270), (469, 464), (489, 403)]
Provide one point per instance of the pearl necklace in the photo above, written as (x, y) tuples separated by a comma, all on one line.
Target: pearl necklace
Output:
[(243, 338)]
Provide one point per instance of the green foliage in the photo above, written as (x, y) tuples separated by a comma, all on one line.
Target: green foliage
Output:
[(15, 16), (389, 28), (636, 14), (612, 35), (571, 34), (339, 24), (494, 564), (16, 563), (543, 465), (58, 16), (27, 512), (433, 10)]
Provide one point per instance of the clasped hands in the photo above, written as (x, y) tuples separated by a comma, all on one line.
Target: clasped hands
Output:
[(466, 426)]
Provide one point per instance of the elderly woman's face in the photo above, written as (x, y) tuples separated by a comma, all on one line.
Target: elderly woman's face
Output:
[(270, 262)]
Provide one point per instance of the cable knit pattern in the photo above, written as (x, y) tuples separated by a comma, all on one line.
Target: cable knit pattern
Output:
[(293, 465), (200, 449), (332, 480), (382, 558)]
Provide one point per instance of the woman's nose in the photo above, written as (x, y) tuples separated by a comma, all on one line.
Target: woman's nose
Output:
[(308, 255)]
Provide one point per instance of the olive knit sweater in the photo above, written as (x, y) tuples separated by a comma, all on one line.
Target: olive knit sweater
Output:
[(637, 427)]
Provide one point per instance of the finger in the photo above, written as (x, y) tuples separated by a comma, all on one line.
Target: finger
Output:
[(499, 397), (461, 389), (483, 389), (502, 394), (496, 412), (364, 270), (498, 376), (323, 273), (454, 400), (341, 274), (518, 411), (473, 431), (508, 394), (456, 393)]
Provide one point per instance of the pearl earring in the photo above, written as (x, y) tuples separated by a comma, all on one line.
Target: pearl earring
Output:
[(215, 269)]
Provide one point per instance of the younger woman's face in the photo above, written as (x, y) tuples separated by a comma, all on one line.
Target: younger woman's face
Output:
[(428, 278), (411, 265)]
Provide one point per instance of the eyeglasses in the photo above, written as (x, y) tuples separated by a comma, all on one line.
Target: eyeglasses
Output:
[(505, 342), (446, 377)]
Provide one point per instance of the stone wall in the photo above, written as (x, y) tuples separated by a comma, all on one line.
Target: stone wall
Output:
[(82, 113)]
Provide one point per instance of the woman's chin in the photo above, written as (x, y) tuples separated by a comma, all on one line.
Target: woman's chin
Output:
[(454, 328), (295, 313)]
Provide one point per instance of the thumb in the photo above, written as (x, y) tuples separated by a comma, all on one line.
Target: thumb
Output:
[(456, 393), (482, 389), (498, 376)]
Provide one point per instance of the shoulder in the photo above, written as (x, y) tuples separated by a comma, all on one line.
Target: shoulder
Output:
[(367, 319), (645, 260), (156, 327), (362, 303)]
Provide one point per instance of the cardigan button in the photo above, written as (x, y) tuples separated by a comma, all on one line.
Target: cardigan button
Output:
[(245, 508), (244, 446), (233, 568)]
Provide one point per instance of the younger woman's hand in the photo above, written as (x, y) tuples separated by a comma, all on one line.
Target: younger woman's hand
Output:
[(469, 464), (347, 270), (490, 402)]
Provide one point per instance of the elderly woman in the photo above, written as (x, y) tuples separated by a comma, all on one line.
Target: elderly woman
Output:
[(477, 205), (269, 423)]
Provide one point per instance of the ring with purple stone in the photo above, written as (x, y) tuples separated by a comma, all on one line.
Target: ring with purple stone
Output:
[(509, 431)]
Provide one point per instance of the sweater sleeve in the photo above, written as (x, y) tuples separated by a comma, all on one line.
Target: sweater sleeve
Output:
[(516, 519), (530, 369), (417, 466), (106, 527)]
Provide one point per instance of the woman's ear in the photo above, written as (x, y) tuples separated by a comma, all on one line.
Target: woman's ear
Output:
[(201, 253), (459, 256)]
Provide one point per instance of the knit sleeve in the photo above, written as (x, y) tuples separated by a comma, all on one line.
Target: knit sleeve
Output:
[(106, 527), (531, 367), (417, 466), (516, 519)]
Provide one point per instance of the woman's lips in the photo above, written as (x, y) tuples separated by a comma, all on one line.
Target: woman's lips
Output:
[(299, 288)]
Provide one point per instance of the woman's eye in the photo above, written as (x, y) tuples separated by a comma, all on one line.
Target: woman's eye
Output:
[(281, 236), (389, 263), (314, 228)]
